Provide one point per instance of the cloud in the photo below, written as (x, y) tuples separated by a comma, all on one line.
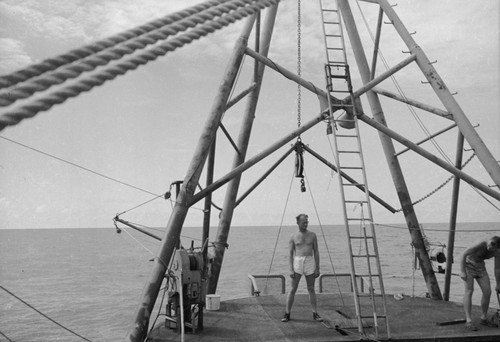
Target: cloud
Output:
[(13, 55), (54, 21)]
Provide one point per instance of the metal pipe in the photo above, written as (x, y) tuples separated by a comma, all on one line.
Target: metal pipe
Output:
[(414, 103), (428, 138), (226, 214), (453, 218), (229, 138), (264, 176), (138, 328), (383, 76), (137, 228), (377, 43), (350, 179), (241, 95), (290, 75), (254, 160), (181, 297), (207, 213), (208, 200)]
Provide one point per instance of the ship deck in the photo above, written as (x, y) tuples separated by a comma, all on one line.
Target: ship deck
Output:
[(259, 319)]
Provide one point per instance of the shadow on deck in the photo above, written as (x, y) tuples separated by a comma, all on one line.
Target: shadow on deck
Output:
[(259, 319)]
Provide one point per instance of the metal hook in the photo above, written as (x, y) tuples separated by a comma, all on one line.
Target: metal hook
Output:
[(476, 126), (455, 93), (412, 33), (426, 82), (468, 149), (433, 62), (405, 51), (389, 22), (394, 5)]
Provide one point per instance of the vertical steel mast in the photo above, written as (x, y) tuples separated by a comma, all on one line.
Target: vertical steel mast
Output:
[(138, 329), (239, 158), (392, 161)]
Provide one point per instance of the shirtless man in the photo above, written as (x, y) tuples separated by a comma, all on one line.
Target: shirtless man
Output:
[(303, 260), (472, 267)]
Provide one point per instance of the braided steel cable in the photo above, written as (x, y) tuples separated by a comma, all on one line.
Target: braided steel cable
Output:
[(104, 57), (14, 116), (85, 51)]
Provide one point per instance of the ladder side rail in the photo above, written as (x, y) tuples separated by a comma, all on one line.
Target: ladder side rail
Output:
[(372, 228), (348, 233), (330, 90), (342, 34)]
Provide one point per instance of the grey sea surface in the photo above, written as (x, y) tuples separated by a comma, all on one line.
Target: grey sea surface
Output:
[(90, 281)]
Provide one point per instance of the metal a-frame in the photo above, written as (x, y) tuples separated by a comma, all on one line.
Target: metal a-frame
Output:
[(205, 151)]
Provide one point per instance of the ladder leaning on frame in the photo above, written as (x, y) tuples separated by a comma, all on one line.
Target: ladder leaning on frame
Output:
[(365, 262)]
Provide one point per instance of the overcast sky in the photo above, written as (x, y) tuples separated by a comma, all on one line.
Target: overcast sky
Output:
[(142, 128)]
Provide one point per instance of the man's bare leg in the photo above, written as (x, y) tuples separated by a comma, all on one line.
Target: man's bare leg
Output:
[(469, 289), (291, 294), (484, 284), (310, 279)]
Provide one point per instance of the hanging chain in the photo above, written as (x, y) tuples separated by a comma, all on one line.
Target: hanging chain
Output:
[(439, 187), (299, 62)]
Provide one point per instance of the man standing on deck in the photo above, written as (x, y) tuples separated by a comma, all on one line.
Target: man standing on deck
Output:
[(303, 260), (472, 267)]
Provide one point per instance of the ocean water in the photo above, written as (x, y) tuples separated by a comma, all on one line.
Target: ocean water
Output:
[(90, 280)]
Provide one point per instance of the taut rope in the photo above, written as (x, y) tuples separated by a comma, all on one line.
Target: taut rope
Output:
[(85, 51), (203, 23)]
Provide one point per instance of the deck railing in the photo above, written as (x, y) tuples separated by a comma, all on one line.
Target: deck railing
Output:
[(254, 288), (340, 282)]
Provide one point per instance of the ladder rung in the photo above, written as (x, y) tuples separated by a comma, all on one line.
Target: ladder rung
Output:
[(367, 275), (367, 220), (335, 49), (351, 168), (340, 91), (344, 120), (370, 295), (329, 10), (361, 237), (364, 255), (333, 35), (352, 201), (378, 316), (349, 151), (331, 22), (347, 136)]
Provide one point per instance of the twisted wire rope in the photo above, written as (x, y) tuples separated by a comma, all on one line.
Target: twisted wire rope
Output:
[(105, 56), (87, 50), (109, 72)]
